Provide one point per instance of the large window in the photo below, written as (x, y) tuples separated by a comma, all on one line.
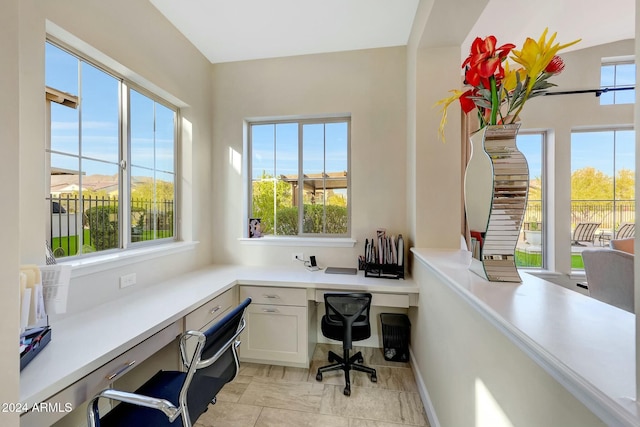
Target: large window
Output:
[(111, 158), (602, 185), (300, 176), (530, 246), (620, 76)]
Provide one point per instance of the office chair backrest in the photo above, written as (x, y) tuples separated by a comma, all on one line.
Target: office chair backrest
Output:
[(174, 398), (348, 309), (215, 356)]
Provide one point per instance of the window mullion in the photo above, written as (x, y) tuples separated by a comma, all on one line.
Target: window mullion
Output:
[(125, 167), (300, 180)]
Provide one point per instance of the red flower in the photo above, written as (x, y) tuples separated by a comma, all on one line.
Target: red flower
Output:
[(485, 60), (466, 103), (555, 66)]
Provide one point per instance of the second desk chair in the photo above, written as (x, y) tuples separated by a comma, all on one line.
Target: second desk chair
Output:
[(347, 320)]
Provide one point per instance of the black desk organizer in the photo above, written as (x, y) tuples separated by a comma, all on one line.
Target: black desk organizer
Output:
[(385, 271), (38, 340)]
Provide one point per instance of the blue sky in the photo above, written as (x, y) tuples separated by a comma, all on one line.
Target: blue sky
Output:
[(588, 149), (283, 138), (152, 124)]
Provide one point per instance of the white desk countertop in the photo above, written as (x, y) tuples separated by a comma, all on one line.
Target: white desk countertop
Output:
[(83, 342), (586, 345)]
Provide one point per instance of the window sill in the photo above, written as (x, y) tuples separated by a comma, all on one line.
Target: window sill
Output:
[(94, 264), (332, 242)]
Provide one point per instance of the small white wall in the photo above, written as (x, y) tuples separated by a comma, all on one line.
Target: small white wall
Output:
[(474, 375), (368, 84)]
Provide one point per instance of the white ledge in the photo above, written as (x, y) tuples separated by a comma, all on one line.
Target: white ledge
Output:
[(102, 262), (331, 242), (561, 330)]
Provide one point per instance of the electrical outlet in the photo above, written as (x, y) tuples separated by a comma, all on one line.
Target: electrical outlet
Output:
[(297, 256), (127, 280)]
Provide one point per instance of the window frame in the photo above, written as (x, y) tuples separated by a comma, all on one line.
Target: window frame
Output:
[(124, 155), (614, 129), (615, 62), (300, 121), (544, 138)]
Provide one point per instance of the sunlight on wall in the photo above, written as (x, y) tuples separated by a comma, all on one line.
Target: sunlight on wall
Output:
[(186, 181), (488, 411), (235, 160)]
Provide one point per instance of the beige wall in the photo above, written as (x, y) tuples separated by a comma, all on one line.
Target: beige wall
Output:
[(9, 259), (474, 375), (369, 85)]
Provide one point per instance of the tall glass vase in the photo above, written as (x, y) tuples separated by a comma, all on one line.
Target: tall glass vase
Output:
[(496, 185)]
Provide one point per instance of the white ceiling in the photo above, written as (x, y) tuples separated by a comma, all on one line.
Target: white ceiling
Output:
[(236, 30)]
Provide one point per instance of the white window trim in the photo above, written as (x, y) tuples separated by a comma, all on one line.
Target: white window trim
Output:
[(277, 240), (90, 264)]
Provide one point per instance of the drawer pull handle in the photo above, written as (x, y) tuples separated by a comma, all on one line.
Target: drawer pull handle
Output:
[(214, 309), (272, 296), (270, 310), (121, 370)]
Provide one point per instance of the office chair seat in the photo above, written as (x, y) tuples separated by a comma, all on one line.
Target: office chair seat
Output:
[(346, 320), (177, 398), (164, 385)]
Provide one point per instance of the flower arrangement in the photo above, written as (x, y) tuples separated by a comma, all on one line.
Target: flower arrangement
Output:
[(499, 91)]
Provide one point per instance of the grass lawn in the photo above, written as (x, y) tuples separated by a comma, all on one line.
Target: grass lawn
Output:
[(68, 244), (535, 260)]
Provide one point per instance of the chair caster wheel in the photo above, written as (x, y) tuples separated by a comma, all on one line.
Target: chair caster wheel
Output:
[(374, 378), (331, 359), (347, 392), (361, 360), (319, 377)]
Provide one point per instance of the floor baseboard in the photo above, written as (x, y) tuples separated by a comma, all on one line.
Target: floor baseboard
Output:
[(424, 394)]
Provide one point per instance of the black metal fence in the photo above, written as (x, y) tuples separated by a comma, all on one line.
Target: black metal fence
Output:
[(96, 219), (609, 213)]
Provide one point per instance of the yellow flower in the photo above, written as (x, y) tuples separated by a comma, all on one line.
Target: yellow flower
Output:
[(511, 77), (445, 102), (535, 56)]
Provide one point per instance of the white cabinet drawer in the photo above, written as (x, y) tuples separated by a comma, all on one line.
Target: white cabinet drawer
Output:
[(214, 309), (377, 299), (87, 387), (276, 333), (273, 295)]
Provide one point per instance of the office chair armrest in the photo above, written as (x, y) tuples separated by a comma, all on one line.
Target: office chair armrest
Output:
[(135, 399), (186, 359)]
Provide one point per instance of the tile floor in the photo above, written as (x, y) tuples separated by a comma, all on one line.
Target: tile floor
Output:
[(276, 396)]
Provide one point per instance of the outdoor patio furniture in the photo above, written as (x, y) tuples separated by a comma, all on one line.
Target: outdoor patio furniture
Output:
[(584, 232), (626, 230)]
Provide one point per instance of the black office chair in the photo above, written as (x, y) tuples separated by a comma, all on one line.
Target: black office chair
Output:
[(347, 320), (175, 398)]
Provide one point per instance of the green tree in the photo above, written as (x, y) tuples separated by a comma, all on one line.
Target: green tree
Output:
[(625, 185), (145, 190), (591, 184), (270, 195)]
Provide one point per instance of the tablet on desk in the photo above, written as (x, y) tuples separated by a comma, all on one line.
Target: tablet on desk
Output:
[(340, 270)]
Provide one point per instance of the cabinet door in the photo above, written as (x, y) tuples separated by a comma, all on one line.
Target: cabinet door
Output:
[(275, 334)]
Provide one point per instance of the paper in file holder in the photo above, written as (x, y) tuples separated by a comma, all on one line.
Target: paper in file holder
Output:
[(55, 287)]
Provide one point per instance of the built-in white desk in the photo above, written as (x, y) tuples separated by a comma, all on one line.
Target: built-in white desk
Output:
[(88, 347)]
